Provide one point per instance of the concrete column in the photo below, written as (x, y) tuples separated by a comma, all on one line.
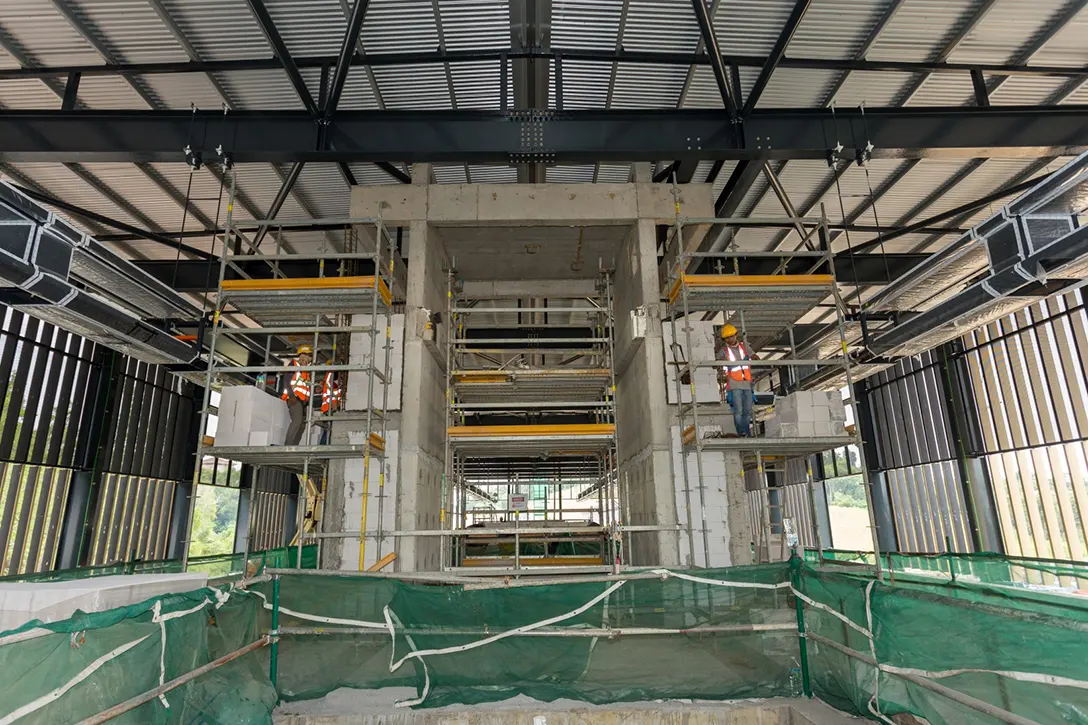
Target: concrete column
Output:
[(422, 174), (644, 415), (423, 419)]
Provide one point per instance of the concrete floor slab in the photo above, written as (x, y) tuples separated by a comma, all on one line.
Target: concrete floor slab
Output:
[(371, 707)]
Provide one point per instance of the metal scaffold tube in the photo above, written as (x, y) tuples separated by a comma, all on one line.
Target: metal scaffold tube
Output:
[(763, 308), (487, 464), (321, 311)]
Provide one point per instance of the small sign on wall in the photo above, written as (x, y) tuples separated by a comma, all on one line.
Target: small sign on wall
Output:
[(519, 502)]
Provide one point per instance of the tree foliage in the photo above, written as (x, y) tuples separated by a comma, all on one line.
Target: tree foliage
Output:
[(214, 520)]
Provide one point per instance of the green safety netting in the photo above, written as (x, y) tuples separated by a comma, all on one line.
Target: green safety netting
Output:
[(626, 666), (213, 566), (983, 567), (117, 653), (710, 634)]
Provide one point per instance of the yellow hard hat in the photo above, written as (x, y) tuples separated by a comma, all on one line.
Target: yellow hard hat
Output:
[(728, 331), (305, 350)]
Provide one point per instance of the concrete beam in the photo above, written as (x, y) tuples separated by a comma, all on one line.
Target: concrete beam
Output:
[(528, 204), (546, 288)]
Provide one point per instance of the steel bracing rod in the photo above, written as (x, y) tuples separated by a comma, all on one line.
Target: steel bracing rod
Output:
[(281, 197), (775, 185), (714, 53), (272, 34), (836, 175), (343, 58), (740, 181), (800, 7), (858, 63), (394, 172)]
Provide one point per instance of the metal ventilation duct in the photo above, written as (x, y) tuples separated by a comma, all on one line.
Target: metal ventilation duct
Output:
[(1036, 239), (52, 271)]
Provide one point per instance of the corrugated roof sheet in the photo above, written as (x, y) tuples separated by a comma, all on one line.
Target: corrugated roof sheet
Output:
[(219, 29), (131, 31), (591, 24)]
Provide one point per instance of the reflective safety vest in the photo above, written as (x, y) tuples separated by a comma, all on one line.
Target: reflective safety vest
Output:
[(738, 372), (331, 393), (299, 385)]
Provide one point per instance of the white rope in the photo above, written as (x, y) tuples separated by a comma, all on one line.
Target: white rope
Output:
[(24, 636), (846, 620), (1035, 677), (874, 701), (161, 619), (52, 696), (390, 618), (665, 573)]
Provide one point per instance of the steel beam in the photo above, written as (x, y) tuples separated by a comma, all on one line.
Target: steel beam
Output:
[(572, 137), (800, 7), (538, 53)]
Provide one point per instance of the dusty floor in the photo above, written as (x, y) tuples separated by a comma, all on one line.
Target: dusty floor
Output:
[(367, 707)]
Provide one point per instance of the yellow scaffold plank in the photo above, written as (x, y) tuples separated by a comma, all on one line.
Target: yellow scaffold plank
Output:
[(748, 280), (377, 442), (307, 283), (530, 562), (472, 377), (530, 431)]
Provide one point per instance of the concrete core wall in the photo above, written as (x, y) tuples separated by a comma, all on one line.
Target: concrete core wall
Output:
[(430, 211)]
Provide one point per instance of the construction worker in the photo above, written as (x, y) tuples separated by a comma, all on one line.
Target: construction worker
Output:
[(331, 399), (297, 395), (331, 392), (735, 381)]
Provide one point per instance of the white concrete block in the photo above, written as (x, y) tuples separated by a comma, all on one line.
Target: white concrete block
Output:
[(245, 410), (21, 602), (788, 430)]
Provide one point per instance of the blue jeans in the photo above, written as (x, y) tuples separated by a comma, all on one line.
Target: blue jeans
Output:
[(742, 411)]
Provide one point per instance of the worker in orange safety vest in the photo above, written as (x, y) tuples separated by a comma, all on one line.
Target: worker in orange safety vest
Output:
[(735, 381), (332, 393), (297, 395)]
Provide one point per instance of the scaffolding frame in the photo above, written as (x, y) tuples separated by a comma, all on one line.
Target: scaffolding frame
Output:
[(534, 387), (320, 310), (767, 305)]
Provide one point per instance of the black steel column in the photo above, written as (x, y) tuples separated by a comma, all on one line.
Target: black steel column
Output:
[(966, 430), (184, 492), (887, 536), (90, 459)]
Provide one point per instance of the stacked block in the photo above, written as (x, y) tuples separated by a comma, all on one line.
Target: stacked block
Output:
[(807, 414), (248, 416)]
